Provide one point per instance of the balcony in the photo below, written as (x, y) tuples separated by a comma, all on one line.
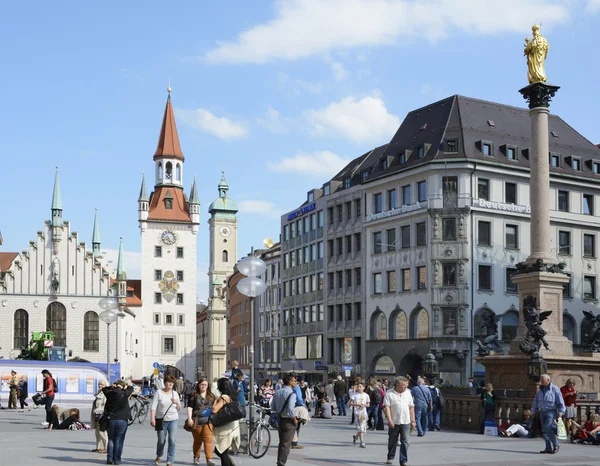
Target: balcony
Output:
[(450, 201)]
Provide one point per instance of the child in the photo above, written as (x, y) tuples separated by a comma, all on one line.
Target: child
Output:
[(360, 401)]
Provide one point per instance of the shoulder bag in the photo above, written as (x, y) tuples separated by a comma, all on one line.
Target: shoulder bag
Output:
[(159, 422), (275, 418), (430, 404), (230, 412)]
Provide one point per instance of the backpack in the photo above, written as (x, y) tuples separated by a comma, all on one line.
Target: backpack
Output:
[(435, 397), (375, 396)]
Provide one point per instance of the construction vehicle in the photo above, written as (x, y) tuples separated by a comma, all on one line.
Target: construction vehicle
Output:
[(41, 348)]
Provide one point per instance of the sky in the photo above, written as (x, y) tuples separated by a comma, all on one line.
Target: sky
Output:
[(278, 94)]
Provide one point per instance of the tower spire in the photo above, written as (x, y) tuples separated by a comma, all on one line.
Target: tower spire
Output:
[(168, 141), (56, 202), (143, 193), (121, 274), (96, 236), (194, 194)]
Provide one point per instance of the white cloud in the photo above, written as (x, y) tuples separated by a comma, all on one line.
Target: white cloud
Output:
[(206, 121), (339, 72), (272, 121), (302, 28), (364, 120), (257, 206), (593, 6), (321, 163), (133, 262)]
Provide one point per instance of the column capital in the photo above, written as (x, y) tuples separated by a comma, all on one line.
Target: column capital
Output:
[(539, 94)]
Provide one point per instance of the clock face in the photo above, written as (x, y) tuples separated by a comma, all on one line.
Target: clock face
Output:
[(225, 231), (168, 237)]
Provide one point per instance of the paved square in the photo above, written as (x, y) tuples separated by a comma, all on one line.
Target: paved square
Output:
[(327, 442)]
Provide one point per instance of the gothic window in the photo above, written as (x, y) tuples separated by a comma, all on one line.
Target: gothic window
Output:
[(378, 326), (169, 171), (56, 322), (178, 172), (419, 323), (398, 325), (91, 332), (225, 256), (21, 328)]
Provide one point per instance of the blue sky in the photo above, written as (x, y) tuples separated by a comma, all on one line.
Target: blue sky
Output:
[(279, 94)]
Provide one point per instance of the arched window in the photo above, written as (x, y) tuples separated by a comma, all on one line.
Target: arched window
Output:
[(159, 172), (56, 322), (21, 329), (178, 172), (169, 171), (378, 326), (398, 325), (569, 327), (225, 256), (91, 332), (510, 325), (419, 323)]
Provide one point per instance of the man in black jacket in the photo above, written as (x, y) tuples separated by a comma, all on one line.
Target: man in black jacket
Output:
[(341, 392), (118, 412)]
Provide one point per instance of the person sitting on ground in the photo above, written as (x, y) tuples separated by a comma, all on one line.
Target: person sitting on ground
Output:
[(590, 428), (325, 410), (524, 429), (72, 418), (68, 412)]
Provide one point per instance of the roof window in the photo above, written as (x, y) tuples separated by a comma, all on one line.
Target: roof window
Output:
[(423, 127), (491, 123), (554, 134)]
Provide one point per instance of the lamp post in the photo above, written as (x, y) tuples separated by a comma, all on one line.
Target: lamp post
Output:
[(430, 367), (252, 286), (108, 316)]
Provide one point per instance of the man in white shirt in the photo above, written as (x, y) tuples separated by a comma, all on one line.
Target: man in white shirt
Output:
[(399, 409)]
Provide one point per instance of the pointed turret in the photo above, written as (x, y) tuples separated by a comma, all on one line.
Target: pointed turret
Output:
[(121, 279), (194, 204), (223, 206), (143, 192), (56, 202), (168, 141), (96, 237), (143, 204), (121, 274), (194, 194)]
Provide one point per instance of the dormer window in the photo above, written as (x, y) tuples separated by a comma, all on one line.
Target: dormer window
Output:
[(311, 197), (169, 204), (576, 164), (511, 153), (365, 175), (326, 190), (347, 182), (402, 159), (486, 148), (554, 160), (451, 145), (420, 152), (384, 164), (596, 168)]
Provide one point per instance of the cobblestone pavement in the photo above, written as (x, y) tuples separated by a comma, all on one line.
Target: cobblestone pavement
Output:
[(327, 442)]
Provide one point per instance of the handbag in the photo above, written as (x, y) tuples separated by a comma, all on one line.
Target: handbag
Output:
[(230, 412), (275, 418), (103, 423), (561, 429), (38, 399)]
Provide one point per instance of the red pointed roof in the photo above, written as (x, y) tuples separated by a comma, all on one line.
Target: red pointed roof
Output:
[(168, 141)]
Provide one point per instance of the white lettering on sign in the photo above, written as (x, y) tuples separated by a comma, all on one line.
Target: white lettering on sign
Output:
[(400, 210), (521, 209)]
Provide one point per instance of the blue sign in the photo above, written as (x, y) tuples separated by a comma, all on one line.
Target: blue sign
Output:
[(301, 211), (299, 364), (319, 366), (155, 365), (347, 368)]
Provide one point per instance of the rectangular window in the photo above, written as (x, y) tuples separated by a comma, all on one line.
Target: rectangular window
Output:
[(377, 203), (320, 283), (483, 189), (179, 253), (158, 275), (347, 182), (405, 279), (567, 287), (340, 279), (510, 286), (589, 287), (422, 277), (179, 298), (377, 242), (377, 283), (348, 278), (451, 145), (357, 276), (577, 164), (510, 193), (330, 247), (564, 243), (391, 199), (364, 175), (156, 318), (157, 251), (511, 153), (589, 245), (330, 280), (406, 195), (326, 190), (422, 191), (357, 207), (449, 316), (313, 222), (449, 273), (420, 152), (180, 275), (286, 232), (449, 229), (340, 246), (168, 345), (349, 243), (320, 218), (340, 210), (596, 168), (421, 234), (357, 241), (405, 236), (512, 237), (588, 204), (391, 239), (555, 161), (485, 277), (157, 298), (486, 149), (484, 237), (563, 201), (169, 319), (348, 210), (331, 217), (391, 281)]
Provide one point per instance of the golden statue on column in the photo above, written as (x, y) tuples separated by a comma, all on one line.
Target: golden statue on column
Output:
[(536, 51)]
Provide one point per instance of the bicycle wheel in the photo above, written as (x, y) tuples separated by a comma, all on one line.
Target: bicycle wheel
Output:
[(134, 414), (260, 440), (143, 413)]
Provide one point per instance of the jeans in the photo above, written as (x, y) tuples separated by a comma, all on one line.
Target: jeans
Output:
[(421, 415), (402, 431), (48, 405), (169, 427), (341, 406), (487, 414), (286, 430), (547, 420), (117, 428), (434, 419), (374, 411)]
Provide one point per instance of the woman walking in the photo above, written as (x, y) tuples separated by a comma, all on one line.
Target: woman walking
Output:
[(200, 400), (488, 405), (226, 436), (48, 389), (360, 401), (118, 412), (23, 394), (164, 417), (570, 396), (97, 411)]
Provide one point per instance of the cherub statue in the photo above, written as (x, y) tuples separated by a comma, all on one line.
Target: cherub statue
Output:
[(536, 51), (533, 321), (591, 332), (490, 342)]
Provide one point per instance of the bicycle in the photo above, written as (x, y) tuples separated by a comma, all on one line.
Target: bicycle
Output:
[(259, 440), (139, 409)]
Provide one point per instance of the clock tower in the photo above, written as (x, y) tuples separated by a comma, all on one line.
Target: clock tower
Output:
[(169, 225), (223, 257)]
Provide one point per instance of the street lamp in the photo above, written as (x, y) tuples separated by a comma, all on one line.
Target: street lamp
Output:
[(430, 367), (251, 286), (108, 316)]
